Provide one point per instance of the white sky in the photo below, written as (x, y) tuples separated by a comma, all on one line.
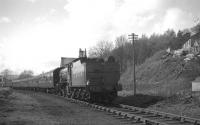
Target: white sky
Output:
[(34, 34)]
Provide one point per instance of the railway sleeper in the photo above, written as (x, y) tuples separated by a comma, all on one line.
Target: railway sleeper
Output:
[(157, 118)]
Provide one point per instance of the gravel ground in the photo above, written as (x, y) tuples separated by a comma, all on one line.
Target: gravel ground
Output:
[(29, 108)]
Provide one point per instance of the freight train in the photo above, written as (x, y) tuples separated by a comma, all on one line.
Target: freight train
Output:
[(91, 79)]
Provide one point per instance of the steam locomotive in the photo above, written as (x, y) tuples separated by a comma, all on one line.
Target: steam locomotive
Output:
[(91, 79)]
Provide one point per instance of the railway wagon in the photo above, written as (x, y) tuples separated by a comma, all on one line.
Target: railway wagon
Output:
[(42, 82), (89, 78)]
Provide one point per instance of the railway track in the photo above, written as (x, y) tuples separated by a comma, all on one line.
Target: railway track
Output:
[(140, 116), (162, 116)]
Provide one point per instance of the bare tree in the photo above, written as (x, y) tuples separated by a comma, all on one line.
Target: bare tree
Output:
[(120, 50), (6, 73), (120, 41), (102, 49)]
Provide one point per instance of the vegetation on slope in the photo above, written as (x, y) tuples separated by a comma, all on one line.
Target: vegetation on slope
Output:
[(163, 75), (156, 73)]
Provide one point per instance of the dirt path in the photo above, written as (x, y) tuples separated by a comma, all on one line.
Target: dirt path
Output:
[(28, 108)]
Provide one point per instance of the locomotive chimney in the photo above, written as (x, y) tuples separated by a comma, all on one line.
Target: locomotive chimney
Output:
[(82, 53)]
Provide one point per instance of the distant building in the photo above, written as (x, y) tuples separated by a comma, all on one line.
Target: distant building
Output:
[(11, 77), (187, 46), (196, 85), (195, 39), (82, 53), (193, 44), (196, 89), (66, 60)]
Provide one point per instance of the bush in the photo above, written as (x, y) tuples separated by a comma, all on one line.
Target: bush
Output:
[(5, 92)]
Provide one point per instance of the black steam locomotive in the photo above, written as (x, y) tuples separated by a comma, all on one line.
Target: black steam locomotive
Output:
[(91, 79)]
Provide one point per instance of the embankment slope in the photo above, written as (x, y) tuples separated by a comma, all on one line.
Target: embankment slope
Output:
[(163, 75)]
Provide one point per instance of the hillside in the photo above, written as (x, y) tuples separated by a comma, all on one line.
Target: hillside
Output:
[(163, 75)]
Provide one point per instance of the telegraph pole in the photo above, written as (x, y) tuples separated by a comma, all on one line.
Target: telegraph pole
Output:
[(133, 37)]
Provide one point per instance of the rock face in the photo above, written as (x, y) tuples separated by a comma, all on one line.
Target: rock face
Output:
[(163, 75)]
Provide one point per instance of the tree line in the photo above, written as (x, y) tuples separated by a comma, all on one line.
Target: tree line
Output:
[(9, 74), (145, 47)]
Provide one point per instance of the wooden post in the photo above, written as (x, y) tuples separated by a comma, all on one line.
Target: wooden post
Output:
[(133, 38)]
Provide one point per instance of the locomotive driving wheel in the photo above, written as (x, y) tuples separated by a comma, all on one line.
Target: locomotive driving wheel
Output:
[(68, 92)]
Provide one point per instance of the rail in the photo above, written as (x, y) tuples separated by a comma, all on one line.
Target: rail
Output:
[(164, 114), (136, 115), (141, 115)]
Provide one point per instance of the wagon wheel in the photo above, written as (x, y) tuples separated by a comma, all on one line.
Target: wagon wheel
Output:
[(87, 96), (76, 94), (68, 92), (82, 96), (73, 94)]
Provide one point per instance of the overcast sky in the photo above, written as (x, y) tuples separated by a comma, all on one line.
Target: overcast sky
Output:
[(34, 34)]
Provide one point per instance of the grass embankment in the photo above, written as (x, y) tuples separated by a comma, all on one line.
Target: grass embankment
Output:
[(162, 75)]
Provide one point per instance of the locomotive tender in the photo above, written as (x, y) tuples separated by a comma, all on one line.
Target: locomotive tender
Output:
[(91, 79)]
